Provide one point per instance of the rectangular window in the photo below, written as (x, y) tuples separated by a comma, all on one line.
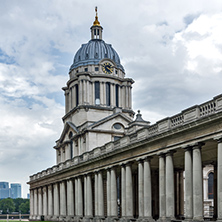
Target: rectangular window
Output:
[(97, 93), (77, 95), (108, 94), (96, 69), (86, 69), (117, 96)]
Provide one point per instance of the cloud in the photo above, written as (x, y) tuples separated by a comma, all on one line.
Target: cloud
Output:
[(172, 50)]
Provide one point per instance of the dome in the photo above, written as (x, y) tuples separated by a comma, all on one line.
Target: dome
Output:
[(93, 52)]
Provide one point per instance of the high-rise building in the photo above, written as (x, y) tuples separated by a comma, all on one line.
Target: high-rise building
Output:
[(15, 190), (4, 190)]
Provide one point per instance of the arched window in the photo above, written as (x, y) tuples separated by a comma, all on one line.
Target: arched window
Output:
[(71, 145), (211, 185), (97, 93)]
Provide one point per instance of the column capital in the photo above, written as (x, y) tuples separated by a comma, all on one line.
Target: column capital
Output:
[(129, 163), (198, 145), (218, 139), (161, 154), (170, 152)]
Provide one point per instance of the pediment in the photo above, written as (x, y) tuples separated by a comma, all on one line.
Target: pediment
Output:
[(69, 131), (108, 122)]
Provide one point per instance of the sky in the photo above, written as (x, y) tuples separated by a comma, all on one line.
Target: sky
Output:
[(172, 49)]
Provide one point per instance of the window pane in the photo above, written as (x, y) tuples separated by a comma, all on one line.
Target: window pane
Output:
[(211, 185), (108, 94), (97, 93), (117, 96)]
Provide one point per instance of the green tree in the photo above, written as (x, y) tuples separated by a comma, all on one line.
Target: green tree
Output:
[(24, 207), (7, 205), (18, 202)]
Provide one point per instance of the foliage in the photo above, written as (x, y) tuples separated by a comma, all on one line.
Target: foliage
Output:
[(18, 202), (14, 205), (24, 207), (7, 205)]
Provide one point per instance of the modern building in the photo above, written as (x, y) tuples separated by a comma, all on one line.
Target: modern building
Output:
[(114, 167), (15, 190), (5, 191)]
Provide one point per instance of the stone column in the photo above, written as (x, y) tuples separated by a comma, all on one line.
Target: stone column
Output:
[(162, 187), (45, 200), (62, 199), (80, 199), (127, 97), (188, 183), (70, 198), (123, 190), (96, 193), (100, 195), (113, 192), (31, 204), (170, 195), (112, 94), (80, 92), (87, 87), (181, 193), (85, 196), (123, 97), (35, 202), (219, 180), (39, 202), (70, 98), (147, 188), (50, 201), (89, 196), (108, 187), (197, 183), (215, 190), (141, 187), (129, 191), (56, 199), (76, 196)]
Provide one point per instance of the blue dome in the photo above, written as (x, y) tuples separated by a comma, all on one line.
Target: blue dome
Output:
[(92, 52)]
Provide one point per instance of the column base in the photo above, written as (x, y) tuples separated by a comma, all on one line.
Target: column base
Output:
[(112, 219), (48, 217), (197, 219), (99, 219), (55, 218), (148, 219), (88, 219), (126, 219)]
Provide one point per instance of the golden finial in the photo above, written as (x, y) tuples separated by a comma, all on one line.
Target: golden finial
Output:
[(96, 22)]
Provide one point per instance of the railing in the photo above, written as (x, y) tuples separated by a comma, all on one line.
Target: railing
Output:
[(187, 116)]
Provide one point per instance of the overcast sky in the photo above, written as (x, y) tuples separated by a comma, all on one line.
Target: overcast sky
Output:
[(172, 49)]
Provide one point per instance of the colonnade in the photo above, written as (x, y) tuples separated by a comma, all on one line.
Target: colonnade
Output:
[(126, 191), (83, 93)]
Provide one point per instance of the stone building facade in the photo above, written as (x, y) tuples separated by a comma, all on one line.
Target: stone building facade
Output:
[(111, 167)]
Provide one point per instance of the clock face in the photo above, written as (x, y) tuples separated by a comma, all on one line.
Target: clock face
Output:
[(107, 68)]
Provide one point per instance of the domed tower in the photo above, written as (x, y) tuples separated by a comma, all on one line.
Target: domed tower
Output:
[(98, 102)]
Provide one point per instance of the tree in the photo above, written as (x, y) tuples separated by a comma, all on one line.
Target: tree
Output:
[(7, 205), (24, 207), (18, 202)]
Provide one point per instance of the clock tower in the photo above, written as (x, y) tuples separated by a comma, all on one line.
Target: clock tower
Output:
[(98, 102)]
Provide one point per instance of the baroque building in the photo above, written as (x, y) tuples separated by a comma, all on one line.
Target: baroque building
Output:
[(112, 167)]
